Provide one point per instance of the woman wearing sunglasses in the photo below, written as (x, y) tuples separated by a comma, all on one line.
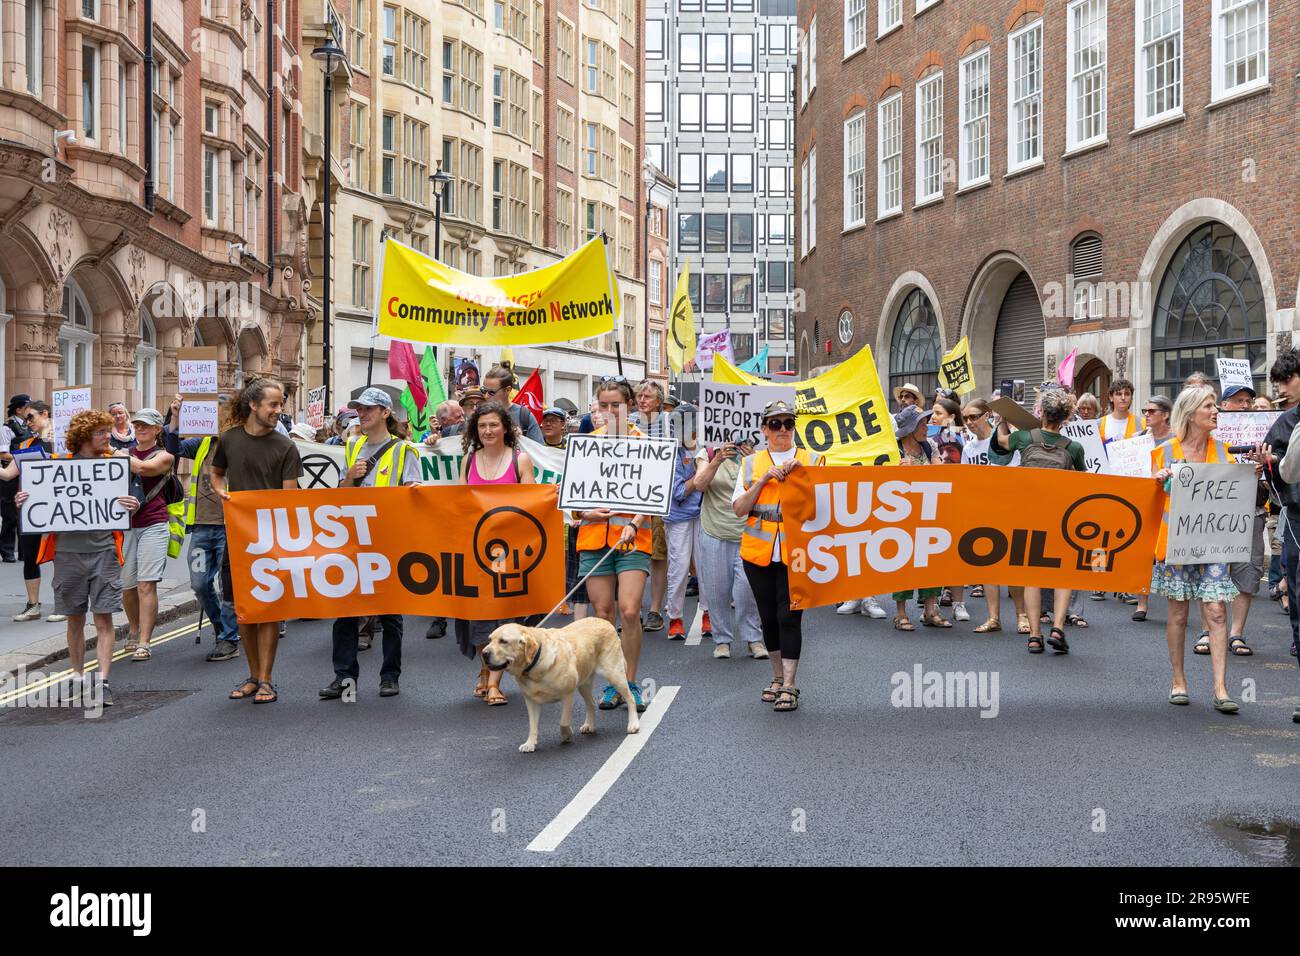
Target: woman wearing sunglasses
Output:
[(757, 497)]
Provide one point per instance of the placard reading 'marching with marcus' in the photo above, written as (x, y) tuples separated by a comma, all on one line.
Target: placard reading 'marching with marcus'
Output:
[(630, 475), (75, 494)]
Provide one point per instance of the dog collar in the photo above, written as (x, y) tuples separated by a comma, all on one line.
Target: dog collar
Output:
[(536, 657)]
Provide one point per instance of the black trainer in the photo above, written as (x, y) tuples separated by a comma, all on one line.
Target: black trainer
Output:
[(334, 691), (224, 651), (437, 629), (388, 687), (105, 694)]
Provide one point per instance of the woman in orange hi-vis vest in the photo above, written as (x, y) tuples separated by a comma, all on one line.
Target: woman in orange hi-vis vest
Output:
[(628, 536), (1195, 416), (763, 552)]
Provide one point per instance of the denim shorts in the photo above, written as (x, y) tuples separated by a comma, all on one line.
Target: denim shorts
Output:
[(620, 561)]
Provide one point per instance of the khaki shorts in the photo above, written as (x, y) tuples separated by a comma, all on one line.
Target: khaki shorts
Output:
[(659, 540), (87, 581), (1247, 574), (145, 554)]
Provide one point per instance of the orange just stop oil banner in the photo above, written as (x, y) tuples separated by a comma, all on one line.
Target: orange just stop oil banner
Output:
[(474, 553), (867, 530)]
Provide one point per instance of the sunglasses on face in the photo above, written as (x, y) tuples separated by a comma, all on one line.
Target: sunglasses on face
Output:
[(973, 418), (781, 424), (490, 391), (1152, 411)]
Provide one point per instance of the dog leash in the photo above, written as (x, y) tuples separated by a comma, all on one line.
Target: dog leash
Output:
[(581, 582)]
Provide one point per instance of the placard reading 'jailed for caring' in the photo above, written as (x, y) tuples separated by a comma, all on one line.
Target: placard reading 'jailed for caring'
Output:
[(630, 475), (734, 413), (75, 494), (1211, 513)]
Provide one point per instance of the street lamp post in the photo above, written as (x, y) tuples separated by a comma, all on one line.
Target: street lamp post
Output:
[(330, 55), (440, 180)]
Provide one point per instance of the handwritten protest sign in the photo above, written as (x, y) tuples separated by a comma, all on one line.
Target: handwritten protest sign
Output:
[(631, 475), (1244, 428), (196, 370), (733, 413), (316, 407), (1211, 513), (1131, 457), (199, 415), (868, 530), (1086, 434), (498, 553), (75, 494), (67, 402), (1234, 371)]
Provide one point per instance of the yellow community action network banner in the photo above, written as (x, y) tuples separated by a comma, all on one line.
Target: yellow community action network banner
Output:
[(842, 414), (422, 300)]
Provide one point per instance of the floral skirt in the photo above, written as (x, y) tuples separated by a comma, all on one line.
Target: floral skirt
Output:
[(1207, 583)]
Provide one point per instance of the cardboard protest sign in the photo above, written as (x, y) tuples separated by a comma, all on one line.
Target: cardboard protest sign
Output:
[(323, 465), (1211, 513), (630, 475), (75, 494), (955, 369), (65, 403), (733, 413), (842, 414), (1234, 371), (1244, 428), (1086, 433), (1131, 457), (316, 407), (348, 552), (196, 370), (855, 531), (199, 415), (1013, 413)]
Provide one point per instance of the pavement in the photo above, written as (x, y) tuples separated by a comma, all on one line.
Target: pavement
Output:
[(37, 644), (1085, 763)]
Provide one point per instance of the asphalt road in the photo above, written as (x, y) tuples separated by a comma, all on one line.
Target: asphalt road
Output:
[(1084, 763)]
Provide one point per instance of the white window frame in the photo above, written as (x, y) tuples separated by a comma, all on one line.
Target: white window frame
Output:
[(1075, 79), (884, 22), (1219, 90), (882, 172), (1141, 117), (803, 72), (146, 361), (96, 120), (34, 45), (1014, 165), (77, 342), (923, 88), (812, 56), (211, 198), (855, 10), (855, 170), (970, 121), (923, 5)]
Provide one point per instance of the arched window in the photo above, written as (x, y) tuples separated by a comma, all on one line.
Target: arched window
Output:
[(1210, 304), (76, 338), (146, 361), (914, 348)]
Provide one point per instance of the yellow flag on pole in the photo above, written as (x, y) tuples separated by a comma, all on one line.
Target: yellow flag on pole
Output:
[(681, 324)]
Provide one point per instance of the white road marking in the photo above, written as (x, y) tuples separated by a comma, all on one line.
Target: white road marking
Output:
[(697, 629), (596, 788)]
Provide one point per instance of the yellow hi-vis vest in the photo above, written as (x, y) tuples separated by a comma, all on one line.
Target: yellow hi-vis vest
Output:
[(388, 470), (764, 521), (192, 493)]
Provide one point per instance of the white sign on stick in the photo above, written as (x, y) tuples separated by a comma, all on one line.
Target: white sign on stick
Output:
[(1233, 371), (630, 475), (1211, 513), (1131, 457), (199, 414), (1244, 428), (1086, 433), (67, 402), (316, 407), (75, 494), (733, 413)]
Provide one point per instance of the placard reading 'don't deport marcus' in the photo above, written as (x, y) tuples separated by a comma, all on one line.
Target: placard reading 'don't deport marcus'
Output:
[(734, 413), (629, 475)]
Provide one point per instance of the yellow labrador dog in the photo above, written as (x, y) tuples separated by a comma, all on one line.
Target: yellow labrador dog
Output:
[(551, 663)]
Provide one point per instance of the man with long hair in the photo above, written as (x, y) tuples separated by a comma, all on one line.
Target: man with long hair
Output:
[(88, 564), (253, 456)]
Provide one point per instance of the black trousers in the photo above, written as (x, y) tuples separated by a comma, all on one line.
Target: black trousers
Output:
[(345, 647), (782, 626), (9, 524)]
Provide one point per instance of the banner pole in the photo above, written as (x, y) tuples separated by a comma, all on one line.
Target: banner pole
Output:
[(613, 303), (374, 324)]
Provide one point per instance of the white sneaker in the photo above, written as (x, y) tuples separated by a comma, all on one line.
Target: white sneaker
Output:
[(849, 607), (871, 607), (32, 612), (757, 650), (722, 650), (959, 612), (56, 618)]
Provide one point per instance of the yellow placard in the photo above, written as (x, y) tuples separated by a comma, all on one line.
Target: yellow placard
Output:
[(681, 324), (955, 369), (422, 300), (842, 414)]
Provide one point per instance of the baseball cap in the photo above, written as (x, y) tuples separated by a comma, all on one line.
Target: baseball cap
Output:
[(148, 416), (778, 407), (373, 397), (1232, 390), (558, 412), (907, 421)]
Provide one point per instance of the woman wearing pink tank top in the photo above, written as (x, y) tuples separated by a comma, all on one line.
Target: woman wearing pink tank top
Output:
[(493, 456)]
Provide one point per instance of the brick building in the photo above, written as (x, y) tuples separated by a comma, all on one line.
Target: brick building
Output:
[(1116, 176)]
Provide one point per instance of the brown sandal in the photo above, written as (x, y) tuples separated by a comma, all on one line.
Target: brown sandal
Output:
[(266, 693), (988, 627), (903, 624), (481, 688), (1022, 624), (495, 698), (787, 700), (934, 620), (773, 688)]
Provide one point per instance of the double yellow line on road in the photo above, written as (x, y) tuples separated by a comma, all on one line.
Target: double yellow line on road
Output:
[(52, 679)]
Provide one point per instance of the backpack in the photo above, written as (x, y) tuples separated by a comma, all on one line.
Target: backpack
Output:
[(1039, 454)]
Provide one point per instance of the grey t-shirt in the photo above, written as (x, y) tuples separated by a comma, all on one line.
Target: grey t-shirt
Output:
[(83, 542)]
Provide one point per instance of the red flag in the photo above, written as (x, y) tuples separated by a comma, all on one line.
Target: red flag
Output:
[(403, 364), (530, 396)]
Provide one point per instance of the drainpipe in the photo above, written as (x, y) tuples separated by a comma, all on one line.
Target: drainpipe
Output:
[(147, 85), (271, 146)]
